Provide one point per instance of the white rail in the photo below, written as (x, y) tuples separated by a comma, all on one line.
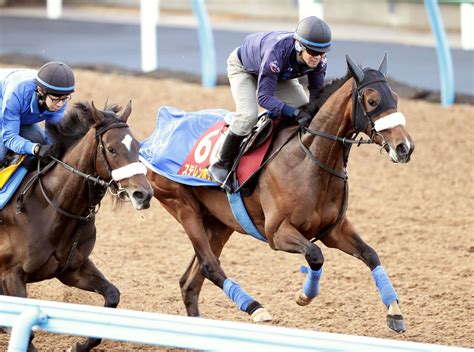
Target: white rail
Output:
[(178, 331)]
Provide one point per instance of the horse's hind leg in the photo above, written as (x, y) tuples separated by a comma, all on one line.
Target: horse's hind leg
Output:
[(346, 239), (89, 278), (192, 280), (185, 208)]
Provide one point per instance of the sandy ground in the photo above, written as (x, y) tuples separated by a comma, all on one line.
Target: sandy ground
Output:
[(418, 217)]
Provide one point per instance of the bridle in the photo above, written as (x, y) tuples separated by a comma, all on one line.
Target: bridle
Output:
[(361, 118), (97, 186)]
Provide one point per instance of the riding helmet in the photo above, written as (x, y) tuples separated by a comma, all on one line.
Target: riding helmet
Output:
[(56, 78), (313, 33)]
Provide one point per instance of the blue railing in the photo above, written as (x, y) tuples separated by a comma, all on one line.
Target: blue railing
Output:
[(179, 331), (444, 55)]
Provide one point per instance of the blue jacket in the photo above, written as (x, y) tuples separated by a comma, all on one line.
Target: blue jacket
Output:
[(271, 56), (19, 106)]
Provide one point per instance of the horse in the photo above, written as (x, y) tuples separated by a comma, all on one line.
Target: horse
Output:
[(50, 231), (301, 194)]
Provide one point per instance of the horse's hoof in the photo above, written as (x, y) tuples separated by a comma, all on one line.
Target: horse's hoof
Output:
[(396, 323), (260, 315), (302, 299)]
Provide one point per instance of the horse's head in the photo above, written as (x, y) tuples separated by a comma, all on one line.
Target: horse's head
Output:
[(117, 154), (374, 111)]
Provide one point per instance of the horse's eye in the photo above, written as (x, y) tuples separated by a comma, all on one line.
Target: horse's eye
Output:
[(111, 150), (372, 102)]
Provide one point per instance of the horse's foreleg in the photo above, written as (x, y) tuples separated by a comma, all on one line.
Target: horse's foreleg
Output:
[(89, 278), (14, 284), (346, 239), (289, 239), (192, 280)]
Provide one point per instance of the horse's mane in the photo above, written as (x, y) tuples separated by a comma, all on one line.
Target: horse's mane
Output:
[(76, 123), (330, 88)]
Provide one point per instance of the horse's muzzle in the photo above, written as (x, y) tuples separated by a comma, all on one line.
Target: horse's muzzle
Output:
[(141, 199), (402, 152)]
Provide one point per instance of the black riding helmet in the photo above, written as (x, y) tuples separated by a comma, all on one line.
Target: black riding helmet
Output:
[(56, 78), (314, 34)]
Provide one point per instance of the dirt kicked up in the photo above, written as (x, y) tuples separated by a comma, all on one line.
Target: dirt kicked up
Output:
[(419, 218)]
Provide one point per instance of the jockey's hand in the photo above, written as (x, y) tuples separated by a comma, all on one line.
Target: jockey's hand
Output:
[(303, 117), (44, 151)]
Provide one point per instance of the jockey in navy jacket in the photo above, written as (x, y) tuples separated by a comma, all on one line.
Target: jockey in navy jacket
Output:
[(271, 57), (264, 72)]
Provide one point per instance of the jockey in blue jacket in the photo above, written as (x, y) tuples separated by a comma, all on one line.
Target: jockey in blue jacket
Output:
[(28, 97), (264, 71)]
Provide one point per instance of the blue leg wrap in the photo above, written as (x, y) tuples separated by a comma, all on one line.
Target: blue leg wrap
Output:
[(311, 284), (386, 290), (233, 290)]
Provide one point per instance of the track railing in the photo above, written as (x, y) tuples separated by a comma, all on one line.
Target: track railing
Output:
[(24, 315)]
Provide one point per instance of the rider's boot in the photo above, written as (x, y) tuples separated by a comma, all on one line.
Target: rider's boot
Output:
[(229, 149)]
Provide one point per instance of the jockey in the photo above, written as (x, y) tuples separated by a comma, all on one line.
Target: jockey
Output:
[(264, 70), (28, 97)]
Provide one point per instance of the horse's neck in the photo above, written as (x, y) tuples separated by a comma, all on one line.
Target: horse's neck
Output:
[(334, 119), (68, 187)]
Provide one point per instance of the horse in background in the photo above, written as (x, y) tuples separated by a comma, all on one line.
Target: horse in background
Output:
[(301, 194), (50, 231)]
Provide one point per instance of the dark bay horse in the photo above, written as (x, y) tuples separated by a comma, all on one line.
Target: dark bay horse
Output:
[(301, 194), (50, 231)]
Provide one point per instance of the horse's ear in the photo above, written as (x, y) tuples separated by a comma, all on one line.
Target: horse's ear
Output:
[(356, 71), (96, 114), (106, 103), (126, 113), (383, 65)]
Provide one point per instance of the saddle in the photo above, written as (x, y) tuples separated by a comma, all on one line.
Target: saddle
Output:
[(252, 155), (259, 134)]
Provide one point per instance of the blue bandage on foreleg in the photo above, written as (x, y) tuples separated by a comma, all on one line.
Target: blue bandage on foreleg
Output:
[(311, 284), (233, 290), (386, 290)]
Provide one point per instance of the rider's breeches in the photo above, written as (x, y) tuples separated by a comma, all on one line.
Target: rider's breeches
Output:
[(244, 91), (33, 133)]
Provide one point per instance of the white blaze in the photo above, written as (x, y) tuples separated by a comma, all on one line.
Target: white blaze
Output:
[(127, 142)]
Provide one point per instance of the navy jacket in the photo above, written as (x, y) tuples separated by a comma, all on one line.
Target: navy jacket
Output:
[(271, 56)]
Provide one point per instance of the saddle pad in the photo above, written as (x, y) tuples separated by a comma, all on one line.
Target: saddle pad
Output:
[(183, 145), (11, 186), (168, 150)]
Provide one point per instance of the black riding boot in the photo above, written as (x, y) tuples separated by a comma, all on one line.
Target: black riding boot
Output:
[(229, 149)]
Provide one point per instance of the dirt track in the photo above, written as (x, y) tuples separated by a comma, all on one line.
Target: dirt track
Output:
[(418, 217)]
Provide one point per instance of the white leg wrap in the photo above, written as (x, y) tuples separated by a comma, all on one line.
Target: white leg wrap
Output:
[(129, 171), (390, 121)]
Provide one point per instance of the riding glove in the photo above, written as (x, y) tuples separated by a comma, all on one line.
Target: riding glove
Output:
[(303, 117), (43, 151)]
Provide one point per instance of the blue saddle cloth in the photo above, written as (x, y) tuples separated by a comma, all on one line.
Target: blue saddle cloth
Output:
[(11, 186), (172, 140)]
